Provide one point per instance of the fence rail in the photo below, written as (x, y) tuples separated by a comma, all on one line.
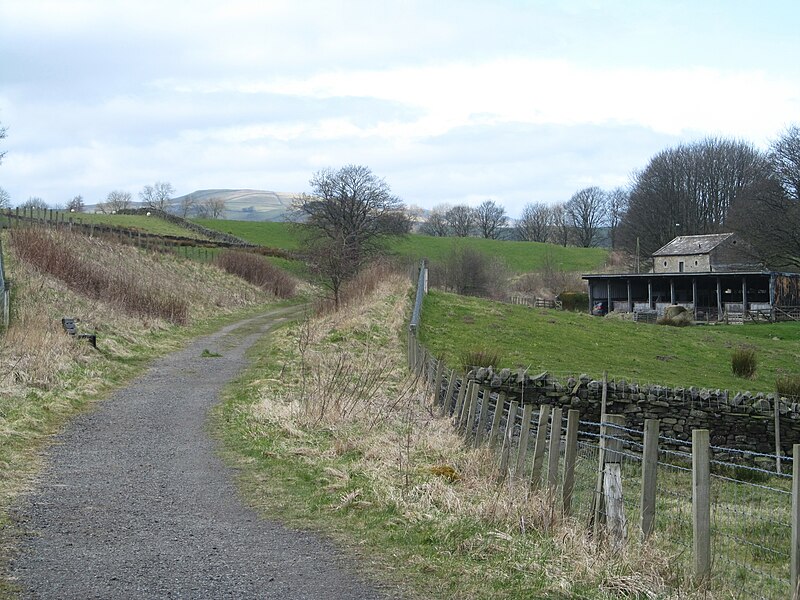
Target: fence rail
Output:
[(724, 523)]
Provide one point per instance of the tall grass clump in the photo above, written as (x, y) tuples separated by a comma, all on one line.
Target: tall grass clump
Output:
[(258, 271), (360, 287), (480, 358), (744, 362), (788, 385), (69, 258)]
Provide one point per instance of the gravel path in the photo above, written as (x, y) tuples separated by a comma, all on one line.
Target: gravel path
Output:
[(135, 502)]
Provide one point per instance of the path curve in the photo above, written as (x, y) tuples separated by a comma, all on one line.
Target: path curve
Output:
[(135, 502)]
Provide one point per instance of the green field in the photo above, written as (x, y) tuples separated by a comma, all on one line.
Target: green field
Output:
[(263, 233), (521, 257), (141, 223), (574, 343)]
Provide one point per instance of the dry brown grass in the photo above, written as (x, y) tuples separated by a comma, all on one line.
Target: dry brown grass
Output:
[(258, 271), (45, 375), (414, 462)]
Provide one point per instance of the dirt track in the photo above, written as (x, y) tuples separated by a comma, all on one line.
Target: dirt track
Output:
[(135, 502)]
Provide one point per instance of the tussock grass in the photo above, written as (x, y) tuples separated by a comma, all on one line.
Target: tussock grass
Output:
[(744, 362), (258, 271), (353, 446)]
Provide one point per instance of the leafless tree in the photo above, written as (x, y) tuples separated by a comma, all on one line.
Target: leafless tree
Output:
[(689, 190), (535, 223), (76, 204), (35, 203), (212, 208), (436, 224), (157, 196), (767, 213), (586, 212), (187, 205), (616, 207), (346, 220), (5, 199), (562, 228), (3, 131), (116, 201), (461, 220), (491, 218)]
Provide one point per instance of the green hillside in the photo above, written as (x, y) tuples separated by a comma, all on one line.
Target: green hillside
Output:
[(574, 343), (141, 223), (521, 257)]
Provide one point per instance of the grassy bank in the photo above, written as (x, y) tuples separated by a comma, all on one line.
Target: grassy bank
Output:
[(573, 343), (46, 377), (328, 432)]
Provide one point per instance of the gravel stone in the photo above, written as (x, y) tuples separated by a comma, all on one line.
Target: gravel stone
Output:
[(135, 503)]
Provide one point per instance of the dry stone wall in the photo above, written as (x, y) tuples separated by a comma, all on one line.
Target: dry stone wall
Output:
[(741, 421)]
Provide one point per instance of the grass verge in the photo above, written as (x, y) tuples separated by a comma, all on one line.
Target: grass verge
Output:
[(378, 470)]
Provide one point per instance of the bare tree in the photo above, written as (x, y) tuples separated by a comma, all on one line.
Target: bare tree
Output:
[(767, 213), (616, 207), (689, 190), (116, 201), (461, 220), (76, 204), (586, 212), (436, 224), (535, 223), (491, 218), (212, 208), (157, 196), (5, 199), (3, 131), (346, 220), (187, 205), (562, 227), (35, 203)]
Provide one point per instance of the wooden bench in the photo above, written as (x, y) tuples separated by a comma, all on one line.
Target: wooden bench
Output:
[(69, 325)]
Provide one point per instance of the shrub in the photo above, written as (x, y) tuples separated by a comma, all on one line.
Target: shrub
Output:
[(743, 362), (480, 358), (258, 271), (470, 272), (574, 301), (788, 385)]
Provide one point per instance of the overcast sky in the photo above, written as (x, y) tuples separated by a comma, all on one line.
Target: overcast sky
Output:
[(448, 101)]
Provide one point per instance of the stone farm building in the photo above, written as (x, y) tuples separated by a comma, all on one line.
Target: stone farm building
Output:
[(712, 275)]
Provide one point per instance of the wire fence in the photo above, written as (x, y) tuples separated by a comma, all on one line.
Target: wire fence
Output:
[(743, 549)]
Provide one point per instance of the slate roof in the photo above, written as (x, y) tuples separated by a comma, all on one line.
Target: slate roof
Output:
[(692, 244)]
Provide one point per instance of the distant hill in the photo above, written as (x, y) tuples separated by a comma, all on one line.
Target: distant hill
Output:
[(245, 205)]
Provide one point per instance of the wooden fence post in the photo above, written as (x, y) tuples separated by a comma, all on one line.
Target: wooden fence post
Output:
[(473, 409), (459, 408), (777, 406), (496, 418), (795, 568), (612, 483), (554, 451), (437, 381), (649, 470), (447, 405), (484, 416), (524, 434), (701, 503), (505, 453), (538, 449), (570, 454)]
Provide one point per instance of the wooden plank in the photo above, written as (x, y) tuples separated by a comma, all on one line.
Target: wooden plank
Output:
[(507, 436), (469, 422), (615, 507), (538, 449), (570, 456), (496, 418), (437, 382), (524, 434), (649, 471), (447, 405), (701, 504), (554, 449), (459, 408), (480, 431)]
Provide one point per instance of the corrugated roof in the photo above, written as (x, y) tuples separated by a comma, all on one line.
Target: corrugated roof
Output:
[(692, 244)]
